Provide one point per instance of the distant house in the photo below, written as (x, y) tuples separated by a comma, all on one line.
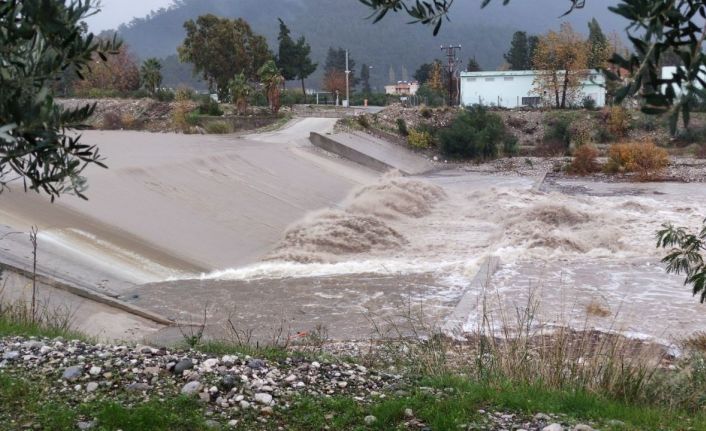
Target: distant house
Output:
[(669, 71), (515, 88), (402, 88)]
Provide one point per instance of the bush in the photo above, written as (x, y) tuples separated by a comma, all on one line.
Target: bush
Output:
[(209, 107), (692, 135), (112, 121), (363, 121), (584, 161), (511, 146), (557, 131), (183, 94), (419, 139), (431, 97), (475, 133), (425, 112), (617, 120), (164, 95), (580, 133), (402, 127), (643, 158), (588, 103), (218, 127)]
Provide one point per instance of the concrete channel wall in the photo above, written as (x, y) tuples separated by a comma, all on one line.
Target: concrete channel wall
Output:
[(347, 152)]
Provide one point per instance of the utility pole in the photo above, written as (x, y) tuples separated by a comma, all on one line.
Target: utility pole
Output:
[(451, 67), (348, 72)]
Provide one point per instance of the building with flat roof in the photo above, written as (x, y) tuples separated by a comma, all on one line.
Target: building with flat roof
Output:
[(402, 88), (515, 89)]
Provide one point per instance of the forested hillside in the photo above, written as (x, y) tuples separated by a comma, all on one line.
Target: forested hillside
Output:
[(484, 34)]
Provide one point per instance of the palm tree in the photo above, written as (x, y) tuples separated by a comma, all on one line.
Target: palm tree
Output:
[(151, 75), (272, 79), (239, 92)]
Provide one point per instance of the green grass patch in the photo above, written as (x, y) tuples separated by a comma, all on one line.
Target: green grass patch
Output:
[(26, 328)]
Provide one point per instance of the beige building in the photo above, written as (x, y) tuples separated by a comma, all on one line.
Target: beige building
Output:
[(402, 88)]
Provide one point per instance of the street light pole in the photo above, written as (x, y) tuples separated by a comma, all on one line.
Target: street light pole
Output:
[(451, 65), (348, 100)]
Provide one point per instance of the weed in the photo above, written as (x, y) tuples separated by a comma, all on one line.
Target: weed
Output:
[(218, 127), (643, 158), (584, 161), (419, 139), (363, 121), (402, 127)]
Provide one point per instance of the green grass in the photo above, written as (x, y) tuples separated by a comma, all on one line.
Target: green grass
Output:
[(24, 328)]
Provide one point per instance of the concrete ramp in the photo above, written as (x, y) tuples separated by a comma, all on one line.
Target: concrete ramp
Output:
[(372, 152)]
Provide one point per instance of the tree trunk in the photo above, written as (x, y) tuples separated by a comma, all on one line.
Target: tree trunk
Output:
[(303, 91), (555, 84), (566, 87)]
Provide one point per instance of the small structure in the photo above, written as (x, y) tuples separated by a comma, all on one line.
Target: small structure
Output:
[(516, 89), (402, 88)]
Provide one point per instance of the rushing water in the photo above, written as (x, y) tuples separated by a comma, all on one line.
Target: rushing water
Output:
[(406, 244)]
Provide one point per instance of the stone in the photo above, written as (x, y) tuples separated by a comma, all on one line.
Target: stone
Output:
[(256, 364), (138, 387), (183, 365), (342, 384), (315, 365), (370, 419), (72, 373), (583, 427), (290, 378), (232, 423), (229, 360), (211, 424), (191, 388), (204, 397), (408, 413), (84, 425), (263, 398), (542, 417), (91, 387), (228, 382), (553, 427), (94, 371), (11, 356), (266, 411), (210, 363), (244, 405)]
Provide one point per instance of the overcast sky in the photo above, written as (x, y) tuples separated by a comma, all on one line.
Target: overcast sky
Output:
[(115, 12)]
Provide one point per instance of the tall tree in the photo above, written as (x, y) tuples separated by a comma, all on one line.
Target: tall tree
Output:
[(38, 41), (287, 53), (151, 75), (561, 62), (422, 74), (436, 78), (303, 66), (336, 60), (120, 73), (532, 43), (518, 56), (272, 79), (391, 77), (598, 46), (365, 78), (239, 92), (220, 48), (473, 65)]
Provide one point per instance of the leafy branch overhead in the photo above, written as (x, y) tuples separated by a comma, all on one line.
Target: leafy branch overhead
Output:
[(658, 29), (39, 41), (685, 256)]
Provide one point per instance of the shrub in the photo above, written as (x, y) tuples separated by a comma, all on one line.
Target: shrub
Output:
[(425, 112), (363, 121), (617, 120), (180, 115), (402, 127), (584, 161), (164, 95), (183, 94), (431, 97), (643, 158), (692, 135), (557, 133), (580, 133), (511, 146), (475, 133), (217, 127), (419, 139), (131, 122), (588, 103), (112, 121), (210, 107)]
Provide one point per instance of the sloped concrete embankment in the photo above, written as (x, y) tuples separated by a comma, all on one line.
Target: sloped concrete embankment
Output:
[(373, 152)]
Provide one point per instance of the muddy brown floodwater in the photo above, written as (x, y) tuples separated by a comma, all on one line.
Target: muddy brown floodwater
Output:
[(270, 232)]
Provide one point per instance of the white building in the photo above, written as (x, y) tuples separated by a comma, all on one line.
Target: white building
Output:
[(669, 71), (515, 88)]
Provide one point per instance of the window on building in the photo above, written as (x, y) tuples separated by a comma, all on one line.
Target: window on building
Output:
[(509, 78), (472, 79), (490, 79), (531, 101)]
